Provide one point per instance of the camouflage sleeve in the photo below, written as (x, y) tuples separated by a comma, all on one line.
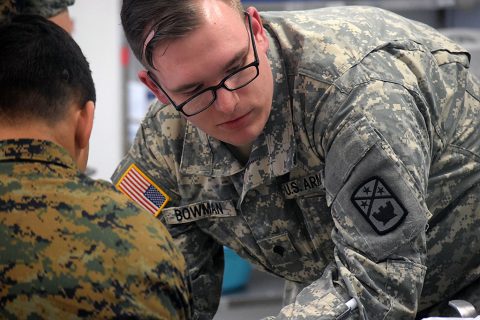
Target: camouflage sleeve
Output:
[(156, 151), (377, 151)]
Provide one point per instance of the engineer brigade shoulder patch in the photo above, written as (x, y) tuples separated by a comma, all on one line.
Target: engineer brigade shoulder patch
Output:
[(379, 205), (142, 190)]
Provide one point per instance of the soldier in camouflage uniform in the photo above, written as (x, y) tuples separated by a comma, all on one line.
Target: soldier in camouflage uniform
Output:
[(54, 10), (71, 247), (340, 152)]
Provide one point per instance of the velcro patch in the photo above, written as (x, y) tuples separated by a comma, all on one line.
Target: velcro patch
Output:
[(302, 186), (198, 211), (141, 189), (379, 205)]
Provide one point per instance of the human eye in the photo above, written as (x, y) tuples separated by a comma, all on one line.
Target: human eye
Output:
[(235, 68), (192, 92), (238, 65)]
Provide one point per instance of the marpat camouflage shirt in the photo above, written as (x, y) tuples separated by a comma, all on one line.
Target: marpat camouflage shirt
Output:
[(364, 183), (72, 247)]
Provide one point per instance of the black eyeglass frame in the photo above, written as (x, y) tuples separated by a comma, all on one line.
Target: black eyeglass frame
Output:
[(221, 84)]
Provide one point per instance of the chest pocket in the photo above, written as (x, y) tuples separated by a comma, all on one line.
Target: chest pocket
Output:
[(319, 224), (302, 252), (279, 249), (287, 259), (308, 191)]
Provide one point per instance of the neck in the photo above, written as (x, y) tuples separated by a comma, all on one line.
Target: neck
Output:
[(38, 131), (242, 153)]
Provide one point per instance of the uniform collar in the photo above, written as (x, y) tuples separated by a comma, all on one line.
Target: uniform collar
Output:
[(273, 151), (35, 151)]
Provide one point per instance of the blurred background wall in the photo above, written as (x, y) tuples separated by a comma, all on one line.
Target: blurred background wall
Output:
[(98, 31)]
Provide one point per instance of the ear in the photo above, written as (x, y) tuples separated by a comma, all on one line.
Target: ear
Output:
[(145, 78), (259, 33), (82, 131), (84, 125)]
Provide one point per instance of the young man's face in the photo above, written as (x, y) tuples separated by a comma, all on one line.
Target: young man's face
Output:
[(203, 58)]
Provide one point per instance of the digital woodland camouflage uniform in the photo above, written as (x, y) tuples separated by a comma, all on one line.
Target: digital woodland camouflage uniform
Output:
[(45, 8), (72, 247), (364, 183)]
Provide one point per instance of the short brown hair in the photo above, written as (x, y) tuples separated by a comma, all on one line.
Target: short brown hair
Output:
[(166, 18)]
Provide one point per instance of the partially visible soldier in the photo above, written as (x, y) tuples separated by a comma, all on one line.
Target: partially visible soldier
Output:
[(70, 246), (55, 10)]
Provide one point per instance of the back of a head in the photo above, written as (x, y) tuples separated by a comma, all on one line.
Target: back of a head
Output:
[(166, 18), (42, 71)]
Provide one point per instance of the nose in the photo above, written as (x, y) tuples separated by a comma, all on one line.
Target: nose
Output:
[(226, 100)]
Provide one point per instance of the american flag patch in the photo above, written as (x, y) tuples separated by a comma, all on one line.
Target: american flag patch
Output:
[(138, 187)]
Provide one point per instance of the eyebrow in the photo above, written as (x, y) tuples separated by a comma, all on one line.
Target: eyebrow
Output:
[(186, 87)]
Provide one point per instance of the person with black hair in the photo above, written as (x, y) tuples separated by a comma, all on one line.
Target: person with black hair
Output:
[(70, 246)]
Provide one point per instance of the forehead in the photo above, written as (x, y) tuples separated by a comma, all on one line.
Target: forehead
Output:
[(221, 35)]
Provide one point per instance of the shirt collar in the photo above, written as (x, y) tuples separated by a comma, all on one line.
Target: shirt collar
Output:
[(273, 151), (35, 151)]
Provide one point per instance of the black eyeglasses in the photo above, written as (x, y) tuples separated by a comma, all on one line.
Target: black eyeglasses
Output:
[(234, 81)]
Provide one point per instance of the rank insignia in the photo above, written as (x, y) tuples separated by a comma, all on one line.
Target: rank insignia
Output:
[(379, 205)]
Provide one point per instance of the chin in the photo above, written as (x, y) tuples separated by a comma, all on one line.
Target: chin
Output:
[(244, 140)]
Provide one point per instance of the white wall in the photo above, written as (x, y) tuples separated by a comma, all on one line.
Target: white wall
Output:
[(98, 32)]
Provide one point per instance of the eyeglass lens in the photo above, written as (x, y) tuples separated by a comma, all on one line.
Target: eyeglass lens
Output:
[(233, 82)]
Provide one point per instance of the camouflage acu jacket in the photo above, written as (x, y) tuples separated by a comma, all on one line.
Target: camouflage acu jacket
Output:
[(364, 183), (73, 247)]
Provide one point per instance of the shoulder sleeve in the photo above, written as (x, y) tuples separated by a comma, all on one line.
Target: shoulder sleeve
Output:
[(152, 162), (376, 173), (155, 155), (377, 158)]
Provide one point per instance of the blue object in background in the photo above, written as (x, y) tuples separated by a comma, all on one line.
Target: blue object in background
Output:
[(236, 272)]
